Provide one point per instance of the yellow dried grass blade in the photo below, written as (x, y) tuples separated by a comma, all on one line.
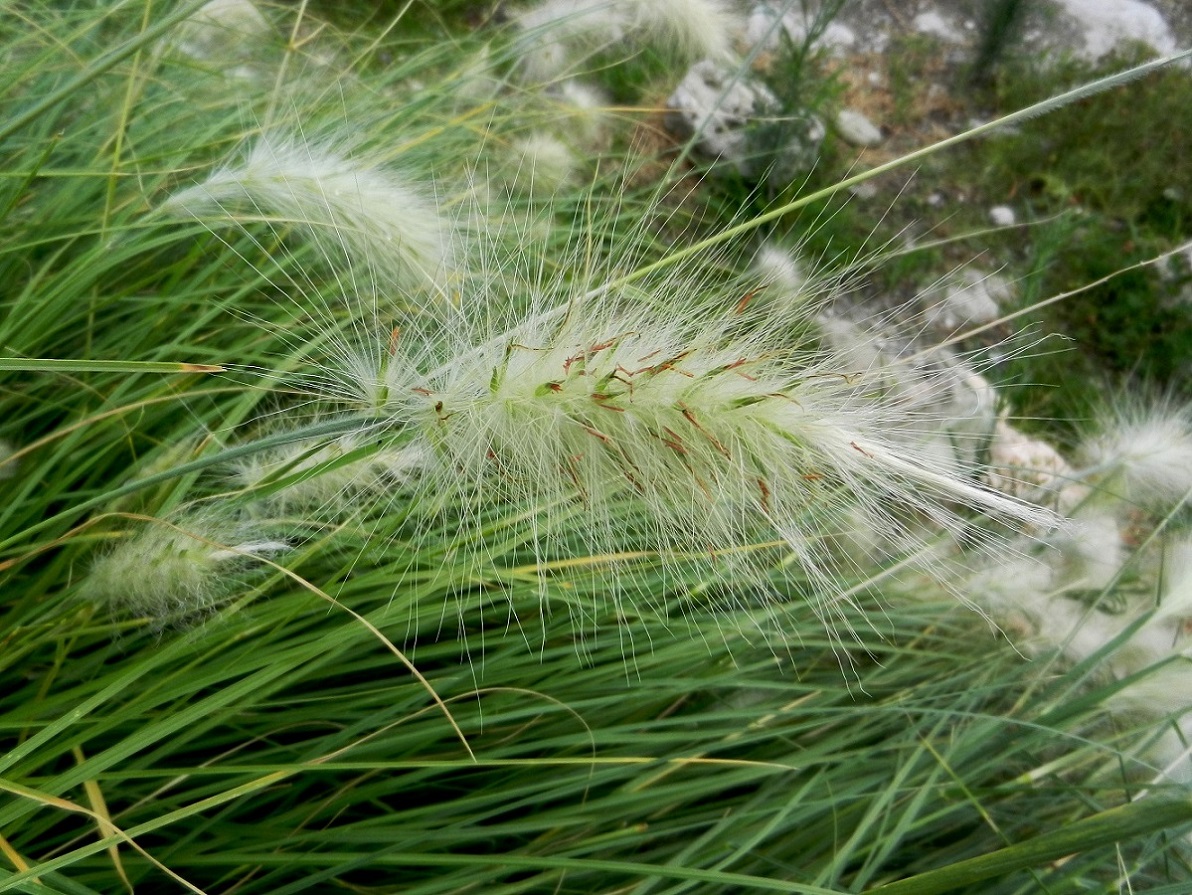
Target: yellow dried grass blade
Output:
[(103, 820)]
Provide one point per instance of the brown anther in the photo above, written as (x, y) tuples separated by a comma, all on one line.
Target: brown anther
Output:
[(761, 483), (596, 433), (600, 398), (689, 415), (746, 299), (571, 470), (672, 440)]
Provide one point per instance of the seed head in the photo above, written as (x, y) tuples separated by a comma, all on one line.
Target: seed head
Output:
[(323, 477), (557, 36), (631, 427), (223, 32), (1143, 456), (543, 165), (177, 571), (356, 212)]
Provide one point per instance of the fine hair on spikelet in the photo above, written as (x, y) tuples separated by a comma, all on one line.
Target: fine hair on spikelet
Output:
[(555, 38)]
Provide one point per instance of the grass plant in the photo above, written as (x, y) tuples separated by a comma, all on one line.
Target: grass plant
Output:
[(376, 525)]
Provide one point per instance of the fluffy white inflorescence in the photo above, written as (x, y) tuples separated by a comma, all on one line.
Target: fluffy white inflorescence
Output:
[(692, 29), (177, 571), (558, 36), (1144, 456), (223, 32), (1177, 581), (585, 117), (351, 209), (1114, 584), (543, 165), (783, 282), (1092, 550), (319, 476), (664, 429)]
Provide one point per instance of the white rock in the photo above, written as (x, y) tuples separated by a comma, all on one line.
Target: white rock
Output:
[(1002, 216), (935, 25), (769, 24), (1020, 465), (1108, 24), (838, 38), (969, 296), (714, 104), (856, 129)]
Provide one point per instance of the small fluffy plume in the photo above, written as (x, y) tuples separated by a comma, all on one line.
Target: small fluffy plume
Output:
[(782, 281), (585, 122), (374, 216), (321, 476), (223, 32), (1143, 456), (178, 571), (543, 165), (556, 37), (690, 29), (1177, 581), (1092, 550)]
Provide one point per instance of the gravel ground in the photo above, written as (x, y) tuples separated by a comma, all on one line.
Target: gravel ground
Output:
[(1047, 22)]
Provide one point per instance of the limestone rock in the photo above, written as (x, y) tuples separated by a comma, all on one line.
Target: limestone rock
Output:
[(856, 129)]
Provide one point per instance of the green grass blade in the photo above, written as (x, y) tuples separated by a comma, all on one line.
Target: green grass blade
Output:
[(56, 365), (1120, 824), (99, 66)]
